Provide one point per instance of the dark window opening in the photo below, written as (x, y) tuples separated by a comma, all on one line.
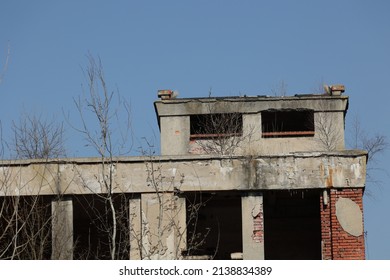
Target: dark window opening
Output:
[(291, 123), (214, 225), (292, 225), (209, 126)]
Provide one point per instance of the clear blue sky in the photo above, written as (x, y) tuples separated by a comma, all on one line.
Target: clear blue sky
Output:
[(233, 47)]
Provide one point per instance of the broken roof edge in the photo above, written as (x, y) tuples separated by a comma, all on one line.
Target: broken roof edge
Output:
[(248, 105), (246, 98)]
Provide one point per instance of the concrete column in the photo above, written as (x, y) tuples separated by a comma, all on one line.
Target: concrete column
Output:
[(252, 226), (252, 141), (158, 226), (62, 229), (135, 229)]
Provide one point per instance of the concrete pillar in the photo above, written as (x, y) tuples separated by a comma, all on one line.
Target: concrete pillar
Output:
[(135, 228), (158, 226), (62, 229), (252, 226), (180, 214)]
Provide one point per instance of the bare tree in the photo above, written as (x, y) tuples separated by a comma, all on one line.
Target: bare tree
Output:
[(280, 89), (36, 138), (108, 139), (170, 204), (25, 219), (361, 139), (375, 145), (26, 228)]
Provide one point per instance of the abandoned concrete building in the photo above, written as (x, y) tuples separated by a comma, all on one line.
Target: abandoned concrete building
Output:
[(238, 178)]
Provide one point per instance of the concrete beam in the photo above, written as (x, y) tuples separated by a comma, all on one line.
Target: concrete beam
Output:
[(248, 105), (346, 169)]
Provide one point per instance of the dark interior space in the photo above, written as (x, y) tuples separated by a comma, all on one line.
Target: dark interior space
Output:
[(25, 222), (292, 225), (214, 224), (93, 224)]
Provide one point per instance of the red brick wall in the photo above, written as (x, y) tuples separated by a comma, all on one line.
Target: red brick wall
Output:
[(258, 227), (326, 233), (337, 243)]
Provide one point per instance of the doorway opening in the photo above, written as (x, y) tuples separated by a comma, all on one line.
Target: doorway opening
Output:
[(214, 224), (292, 225)]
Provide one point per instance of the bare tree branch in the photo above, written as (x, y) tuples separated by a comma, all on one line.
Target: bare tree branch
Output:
[(108, 138), (35, 138), (375, 145)]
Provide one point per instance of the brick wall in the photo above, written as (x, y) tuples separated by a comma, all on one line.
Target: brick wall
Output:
[(336, 242)]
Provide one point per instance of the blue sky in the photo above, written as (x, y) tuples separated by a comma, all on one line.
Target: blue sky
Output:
[(232, 47)]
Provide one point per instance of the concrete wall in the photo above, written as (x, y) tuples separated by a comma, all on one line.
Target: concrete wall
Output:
[(175, 135)]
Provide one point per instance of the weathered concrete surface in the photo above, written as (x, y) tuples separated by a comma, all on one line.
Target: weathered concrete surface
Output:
[(62, 233), (157, 226), (175, 129), (252, 241), (28, 178), (191, 106), (187, 173), (310, 170), (350, 216)]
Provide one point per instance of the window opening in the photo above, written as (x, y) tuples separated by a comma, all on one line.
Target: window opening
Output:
[(291, 123), (209, 126)]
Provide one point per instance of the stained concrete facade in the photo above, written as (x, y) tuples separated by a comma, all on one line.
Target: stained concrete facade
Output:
[(282, 192)]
